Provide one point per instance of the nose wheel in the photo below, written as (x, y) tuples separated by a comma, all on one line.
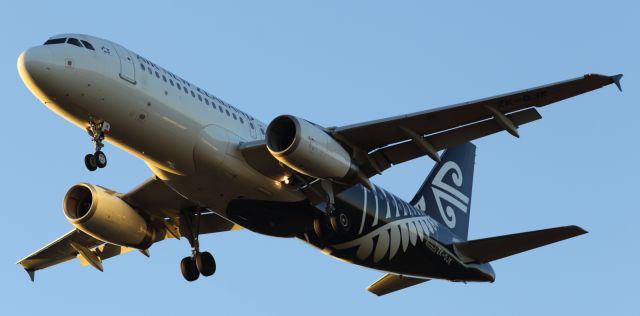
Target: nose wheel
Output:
[(97, 131), (199, 263), (95, 161)]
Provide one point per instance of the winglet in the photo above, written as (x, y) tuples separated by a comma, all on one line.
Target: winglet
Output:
[(616, 80), (32, 274)]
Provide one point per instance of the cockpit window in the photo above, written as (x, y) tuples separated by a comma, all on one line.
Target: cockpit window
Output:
[(56, 41), (88, 45), (74, 41)]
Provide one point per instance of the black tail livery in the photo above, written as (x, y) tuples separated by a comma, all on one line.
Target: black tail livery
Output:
[(446, 193)]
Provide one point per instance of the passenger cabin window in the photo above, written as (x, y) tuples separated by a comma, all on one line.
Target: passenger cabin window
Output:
[(74, 41), (88, 45), (56, 41)]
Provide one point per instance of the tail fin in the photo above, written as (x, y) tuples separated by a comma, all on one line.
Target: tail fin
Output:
[(446, 193)]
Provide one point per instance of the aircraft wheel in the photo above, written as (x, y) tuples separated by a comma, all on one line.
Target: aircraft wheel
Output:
[(205, 263), (101, 159), (90, 162), (189, 269), (340, 222), (317, 227)]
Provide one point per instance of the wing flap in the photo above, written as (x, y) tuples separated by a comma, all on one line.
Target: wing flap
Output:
[(105, 252), (494, 248), (393, 282), (402, 152)]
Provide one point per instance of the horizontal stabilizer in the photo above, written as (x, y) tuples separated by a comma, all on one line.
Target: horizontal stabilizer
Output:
[(393, 282), (494, 248)]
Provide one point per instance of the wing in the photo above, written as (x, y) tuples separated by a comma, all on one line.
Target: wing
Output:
[(58, 251), (152, 197), (392, 282), (398, 139), (377, 145)]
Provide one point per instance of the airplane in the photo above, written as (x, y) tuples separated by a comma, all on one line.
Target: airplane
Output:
[(216, 169)]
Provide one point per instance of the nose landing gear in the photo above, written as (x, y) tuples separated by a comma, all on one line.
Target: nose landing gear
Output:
[(199, 262), (97, 131)]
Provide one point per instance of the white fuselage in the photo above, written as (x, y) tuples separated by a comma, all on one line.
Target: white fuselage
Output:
[(188, 137)]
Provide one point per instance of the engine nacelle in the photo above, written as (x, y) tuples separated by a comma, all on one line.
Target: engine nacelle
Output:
[(307, 148), (103, 215)]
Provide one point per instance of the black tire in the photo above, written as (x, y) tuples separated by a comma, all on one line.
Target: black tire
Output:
[(101, 159), (340, 222), (189, 269), (205, 263), (90, 162), (318, 228)]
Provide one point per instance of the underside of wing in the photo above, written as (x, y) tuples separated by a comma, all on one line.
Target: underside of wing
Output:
[(379, 133), (58, 251)]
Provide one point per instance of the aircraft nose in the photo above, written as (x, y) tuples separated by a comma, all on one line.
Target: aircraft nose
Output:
[(34, 64)]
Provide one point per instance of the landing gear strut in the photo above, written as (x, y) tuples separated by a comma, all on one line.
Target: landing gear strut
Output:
[(199, 262), (337, 220), (97, 132)]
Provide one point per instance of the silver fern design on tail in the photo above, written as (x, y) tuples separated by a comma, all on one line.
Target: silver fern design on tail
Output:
[(403, 232), (443, 191)]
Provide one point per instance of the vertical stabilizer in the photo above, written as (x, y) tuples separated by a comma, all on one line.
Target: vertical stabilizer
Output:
[(446, 193)]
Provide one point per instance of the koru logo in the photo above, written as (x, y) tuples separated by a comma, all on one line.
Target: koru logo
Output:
[(453, 197), (105, 50)]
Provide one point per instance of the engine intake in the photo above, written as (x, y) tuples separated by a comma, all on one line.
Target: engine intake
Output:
[(102, 214), (307, 148)]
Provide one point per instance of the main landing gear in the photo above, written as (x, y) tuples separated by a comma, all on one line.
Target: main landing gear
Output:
[(97, 131), (337, 220), (199, 262)]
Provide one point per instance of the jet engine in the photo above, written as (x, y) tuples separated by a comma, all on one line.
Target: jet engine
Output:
[(307, 148), (102, 214)]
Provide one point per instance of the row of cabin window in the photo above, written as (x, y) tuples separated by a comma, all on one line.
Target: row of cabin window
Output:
[(70, 40), (186, 83), (193, 94)]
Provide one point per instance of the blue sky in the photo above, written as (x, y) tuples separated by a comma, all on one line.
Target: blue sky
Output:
[(336, 63)]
